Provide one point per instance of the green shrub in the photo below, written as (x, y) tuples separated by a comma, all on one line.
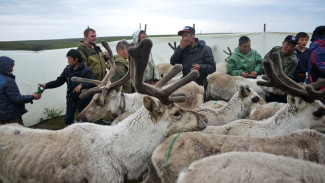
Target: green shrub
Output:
[(52, 113)]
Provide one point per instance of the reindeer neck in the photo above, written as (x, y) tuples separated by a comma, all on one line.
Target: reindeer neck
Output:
[(232, 103), (139, 139), (284, 121), (132, 101)]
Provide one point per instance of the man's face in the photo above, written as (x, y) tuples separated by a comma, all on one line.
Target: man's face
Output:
[(287, 47), (142, 36), (91, 38), (188, 36), (123, 53), (302, 42), (245, 47)]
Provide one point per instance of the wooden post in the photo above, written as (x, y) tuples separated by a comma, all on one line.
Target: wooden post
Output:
[(140, 26), (194, 26), (264, 27), (145, 27)]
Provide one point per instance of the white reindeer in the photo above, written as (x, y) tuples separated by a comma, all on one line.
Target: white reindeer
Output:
[(222, 86), (301, 112), (111, 101), (86, 152), (180, 150), (238, 107), (251, 167)]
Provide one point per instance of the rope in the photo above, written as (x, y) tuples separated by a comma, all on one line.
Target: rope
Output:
[(215, 102), (170, 149), (276, 104)]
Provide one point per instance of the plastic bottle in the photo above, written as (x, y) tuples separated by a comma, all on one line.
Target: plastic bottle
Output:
[(40, 90)]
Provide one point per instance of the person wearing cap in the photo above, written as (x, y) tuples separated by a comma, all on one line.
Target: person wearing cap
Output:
[(75, 67), (151, 75), (193, 53), (245, 62), (92, 55), (303, 56), (122, 65), (287, 54), (12, 103), (316, 63), (289, 63)]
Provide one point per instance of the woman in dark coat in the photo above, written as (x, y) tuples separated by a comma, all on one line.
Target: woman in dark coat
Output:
[(12, 103)]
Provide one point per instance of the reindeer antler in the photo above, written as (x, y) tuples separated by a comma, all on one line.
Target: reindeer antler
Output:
[(105, 85), (171, 73), (138, 60), (228, 53), (275, 77), (172, 47)]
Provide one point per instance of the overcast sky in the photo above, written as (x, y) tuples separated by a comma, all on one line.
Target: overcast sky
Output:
[(58, 19)]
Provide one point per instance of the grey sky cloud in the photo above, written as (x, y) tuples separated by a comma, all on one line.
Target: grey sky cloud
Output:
[(42, 19)]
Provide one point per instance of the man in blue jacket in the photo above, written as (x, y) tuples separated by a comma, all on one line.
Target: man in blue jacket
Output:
[(193, 53), (12, 103)]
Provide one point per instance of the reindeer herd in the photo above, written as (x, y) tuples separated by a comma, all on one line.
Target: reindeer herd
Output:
[(168, 130)]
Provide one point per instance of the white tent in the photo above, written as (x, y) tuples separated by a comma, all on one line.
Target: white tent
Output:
[(32, 68)]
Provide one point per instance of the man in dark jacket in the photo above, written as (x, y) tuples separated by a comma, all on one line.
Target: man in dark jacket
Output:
[(12, 103), (193, 53), (76, 68)]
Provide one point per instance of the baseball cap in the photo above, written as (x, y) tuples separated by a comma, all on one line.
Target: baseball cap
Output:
[(291, 39), (186, 29)]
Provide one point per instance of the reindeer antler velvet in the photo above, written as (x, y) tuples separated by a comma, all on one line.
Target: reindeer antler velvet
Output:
[(138, 61), (275, 77)]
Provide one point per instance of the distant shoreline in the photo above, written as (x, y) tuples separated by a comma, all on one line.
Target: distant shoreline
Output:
[(39, 45)]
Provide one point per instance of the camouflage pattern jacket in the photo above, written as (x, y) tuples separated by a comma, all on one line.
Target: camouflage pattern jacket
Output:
[(122, 67), (93, 60), (150, 73), (289, 61)]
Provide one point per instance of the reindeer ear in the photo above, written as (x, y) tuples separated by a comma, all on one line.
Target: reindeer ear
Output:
[(296, 103), (152, 105), (243, 91)]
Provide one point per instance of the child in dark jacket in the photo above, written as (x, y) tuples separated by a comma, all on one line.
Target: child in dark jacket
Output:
[(12, 103), (76, 68)]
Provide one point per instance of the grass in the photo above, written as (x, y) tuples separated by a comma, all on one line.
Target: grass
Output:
[(39, 45)]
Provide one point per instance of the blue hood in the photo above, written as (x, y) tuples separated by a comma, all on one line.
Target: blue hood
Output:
[(5, 64)]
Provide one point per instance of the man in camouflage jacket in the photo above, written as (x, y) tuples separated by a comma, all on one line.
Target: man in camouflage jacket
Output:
[(122, 65), (92, 55), (287, 54), (289, 64)]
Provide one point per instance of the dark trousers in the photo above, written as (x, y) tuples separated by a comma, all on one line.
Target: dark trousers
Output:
[(18, 120), (69, 114)]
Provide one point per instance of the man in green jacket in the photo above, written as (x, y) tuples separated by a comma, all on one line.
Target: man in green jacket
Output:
[(122, 65), (244, 61), (92, 55)]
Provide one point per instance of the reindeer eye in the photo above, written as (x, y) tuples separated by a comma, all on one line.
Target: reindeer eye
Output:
[(319, 113), (255, 99), (177, 114)]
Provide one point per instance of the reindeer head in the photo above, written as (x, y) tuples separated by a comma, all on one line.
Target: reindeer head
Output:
[(249, 98), (176, 118), (106, 98), (303, 99)]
